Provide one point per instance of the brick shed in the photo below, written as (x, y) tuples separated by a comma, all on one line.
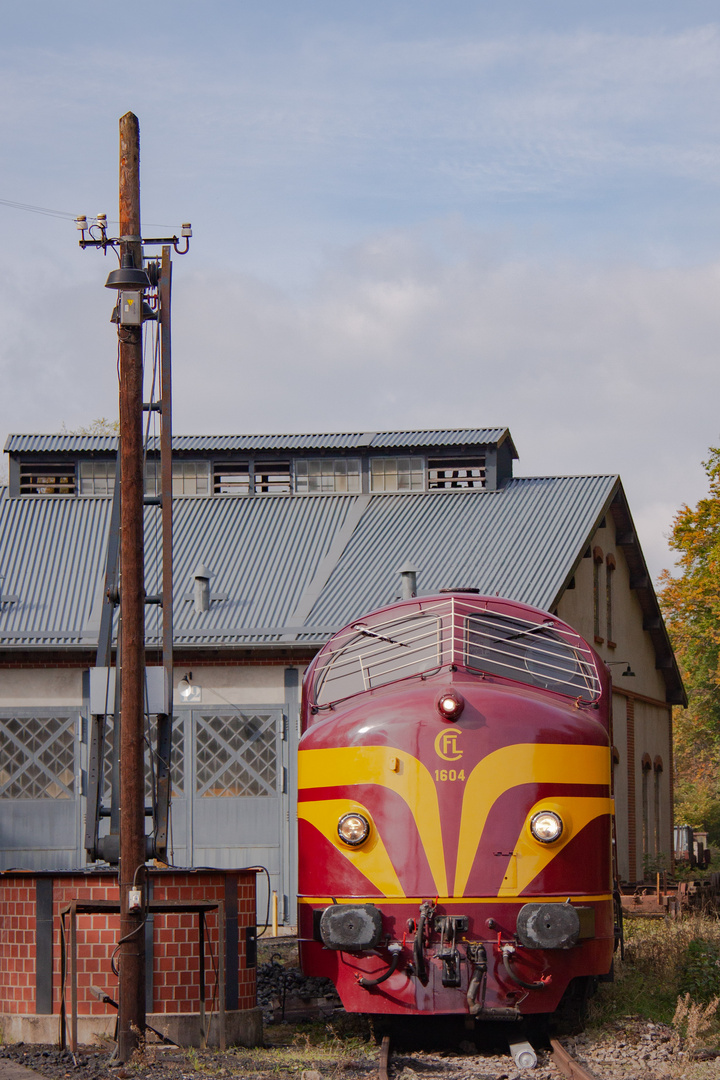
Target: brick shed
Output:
[(31, 950)]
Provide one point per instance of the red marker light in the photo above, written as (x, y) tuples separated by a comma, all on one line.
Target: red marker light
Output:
[(450, 704)]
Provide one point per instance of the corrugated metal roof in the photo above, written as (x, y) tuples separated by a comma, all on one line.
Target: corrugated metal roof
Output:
[(249, 443), (295, 567), (518, 543), (52, 558), (60, 444), (454, 437), (75, 444), (262, 554)]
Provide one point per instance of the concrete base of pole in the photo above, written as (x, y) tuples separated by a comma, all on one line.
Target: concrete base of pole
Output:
[(244, 1028)]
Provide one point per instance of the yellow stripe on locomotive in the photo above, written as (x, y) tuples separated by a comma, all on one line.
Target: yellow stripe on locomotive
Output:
[(393, 769)]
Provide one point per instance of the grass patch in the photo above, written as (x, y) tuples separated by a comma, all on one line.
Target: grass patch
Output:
[(292, 1049), (664, 961)]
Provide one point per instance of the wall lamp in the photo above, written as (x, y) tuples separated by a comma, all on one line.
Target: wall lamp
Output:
[(628, 670), (188, 690)]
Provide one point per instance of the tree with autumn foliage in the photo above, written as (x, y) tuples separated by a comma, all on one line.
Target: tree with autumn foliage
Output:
[(691, 606), (101, 426)]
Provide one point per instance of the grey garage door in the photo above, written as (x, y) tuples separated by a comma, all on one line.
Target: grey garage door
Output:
[(232, 808), (39, 797), (230, 805)]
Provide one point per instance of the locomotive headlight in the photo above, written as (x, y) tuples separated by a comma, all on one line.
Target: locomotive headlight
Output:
[(546, 826), (353, 829)]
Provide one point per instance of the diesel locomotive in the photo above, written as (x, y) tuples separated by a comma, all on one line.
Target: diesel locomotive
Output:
[(455, 812)]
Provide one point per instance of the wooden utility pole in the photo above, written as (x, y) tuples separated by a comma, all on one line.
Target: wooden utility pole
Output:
[(132, 625)]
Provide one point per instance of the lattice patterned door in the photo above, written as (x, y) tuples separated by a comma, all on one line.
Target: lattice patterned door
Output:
[(39, 811), (239, 783), (178, 812)]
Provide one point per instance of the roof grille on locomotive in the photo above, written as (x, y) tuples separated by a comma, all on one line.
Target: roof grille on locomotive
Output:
[(481, 637)]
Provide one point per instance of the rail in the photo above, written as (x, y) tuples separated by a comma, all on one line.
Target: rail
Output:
[(384, 1063), (567, 1065)]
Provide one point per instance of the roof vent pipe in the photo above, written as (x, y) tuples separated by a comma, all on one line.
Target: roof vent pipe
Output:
[(201, 589), (408, 576)]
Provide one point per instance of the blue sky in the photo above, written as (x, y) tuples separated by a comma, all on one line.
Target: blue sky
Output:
[(405, 214)]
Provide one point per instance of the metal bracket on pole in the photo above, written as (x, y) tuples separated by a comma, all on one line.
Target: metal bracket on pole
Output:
[(103, 659)]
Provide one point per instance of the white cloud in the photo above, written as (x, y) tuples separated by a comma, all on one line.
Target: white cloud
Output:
[(517, 112), (358, 163), (593, 370)]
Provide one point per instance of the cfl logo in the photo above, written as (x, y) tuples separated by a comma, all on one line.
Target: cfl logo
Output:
[(446, 745)]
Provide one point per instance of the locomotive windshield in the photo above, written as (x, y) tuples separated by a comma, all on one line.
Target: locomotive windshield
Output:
[(372, 653), (541, 654), (377, 654)]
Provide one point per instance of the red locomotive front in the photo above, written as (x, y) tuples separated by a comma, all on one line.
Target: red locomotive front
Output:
[(455, 811)]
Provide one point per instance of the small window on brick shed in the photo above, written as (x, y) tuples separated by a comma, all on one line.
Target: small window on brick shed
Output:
[(461, 472), (48, 478)]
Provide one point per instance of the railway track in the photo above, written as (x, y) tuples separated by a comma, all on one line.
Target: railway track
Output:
[(567, 1065), (563, 1061), (384, 1058)]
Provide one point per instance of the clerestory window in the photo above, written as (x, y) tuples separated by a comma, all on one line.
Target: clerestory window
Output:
[(48, 478), (461, 472), (272, 477), (397, 474), (97, 477), (231, 478), (188, 477), (328, 475)]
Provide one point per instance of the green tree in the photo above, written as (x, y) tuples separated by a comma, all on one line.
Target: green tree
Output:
[(691, 605)]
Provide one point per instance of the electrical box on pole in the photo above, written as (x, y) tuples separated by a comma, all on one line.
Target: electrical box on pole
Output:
[(131, 309)]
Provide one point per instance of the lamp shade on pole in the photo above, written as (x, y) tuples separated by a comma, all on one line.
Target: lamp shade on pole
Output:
[(127, 278)]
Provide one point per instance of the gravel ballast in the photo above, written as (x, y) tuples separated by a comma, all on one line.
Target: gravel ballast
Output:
[(340, 1048)]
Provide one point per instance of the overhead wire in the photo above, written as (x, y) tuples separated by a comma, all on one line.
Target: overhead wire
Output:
[(37, 209), (64, 214)]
